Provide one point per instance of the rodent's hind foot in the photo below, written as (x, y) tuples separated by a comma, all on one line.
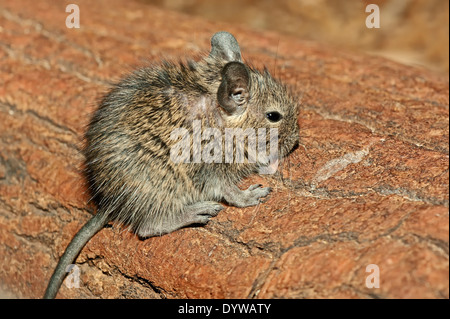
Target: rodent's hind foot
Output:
[(200, 213), (197, 213)]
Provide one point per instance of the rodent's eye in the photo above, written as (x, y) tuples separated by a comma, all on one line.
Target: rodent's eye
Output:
[(273, 116)]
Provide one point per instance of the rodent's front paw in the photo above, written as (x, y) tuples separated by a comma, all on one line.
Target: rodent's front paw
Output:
[(243, 198), (254, 194)]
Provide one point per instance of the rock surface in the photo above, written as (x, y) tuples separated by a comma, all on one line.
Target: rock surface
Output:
[(369, 185)]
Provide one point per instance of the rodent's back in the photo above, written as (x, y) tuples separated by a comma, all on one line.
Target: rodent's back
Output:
[(128, 147)]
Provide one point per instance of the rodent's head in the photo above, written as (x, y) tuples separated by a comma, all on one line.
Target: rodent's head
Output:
[(250, 98)]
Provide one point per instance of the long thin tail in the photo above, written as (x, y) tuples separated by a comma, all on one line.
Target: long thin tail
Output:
[(81, 238)]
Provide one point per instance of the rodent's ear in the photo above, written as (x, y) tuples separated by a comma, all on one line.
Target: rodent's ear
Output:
[(225, 46), (233, 91)]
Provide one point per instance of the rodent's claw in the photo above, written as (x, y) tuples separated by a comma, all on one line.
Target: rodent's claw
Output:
[(254, 186)]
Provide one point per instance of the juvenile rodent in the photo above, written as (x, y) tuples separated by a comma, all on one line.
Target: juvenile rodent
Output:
[(129, 168)]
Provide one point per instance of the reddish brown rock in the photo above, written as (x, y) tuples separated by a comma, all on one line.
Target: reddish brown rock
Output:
[(368, 186)]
